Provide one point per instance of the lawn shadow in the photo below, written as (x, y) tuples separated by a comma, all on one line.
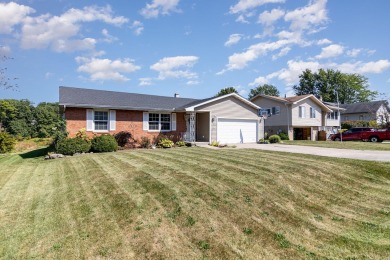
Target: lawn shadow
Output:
[(35, 153)]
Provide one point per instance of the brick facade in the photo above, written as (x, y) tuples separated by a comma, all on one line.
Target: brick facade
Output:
[(126, 120)]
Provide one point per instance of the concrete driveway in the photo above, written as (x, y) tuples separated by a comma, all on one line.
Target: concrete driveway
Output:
[(383, 156)]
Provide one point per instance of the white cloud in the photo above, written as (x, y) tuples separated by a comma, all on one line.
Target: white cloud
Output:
[(239, 61), (145, 81), (159, 7), (192, 82), (60, 32), (259, 81), (245, 5), (290, 75), (49, 75), (233, 39), (354, 52), (242, 19), (268, 18), (374, 66), (331, 51), (106, 69), (324, 42), (108, 37), (138, 27), (305, 18), (12, 14), (175, 67), (283, 52)]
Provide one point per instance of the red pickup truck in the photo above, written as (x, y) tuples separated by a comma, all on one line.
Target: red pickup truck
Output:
[(353, 134), (376, 136)]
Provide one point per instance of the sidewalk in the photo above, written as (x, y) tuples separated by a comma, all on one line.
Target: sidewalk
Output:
[(382, 156)]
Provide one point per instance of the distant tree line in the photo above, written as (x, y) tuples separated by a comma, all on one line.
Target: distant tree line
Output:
[(22, 119), (331, 85)]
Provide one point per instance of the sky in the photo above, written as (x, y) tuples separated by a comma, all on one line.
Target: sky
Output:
[(190, 47)]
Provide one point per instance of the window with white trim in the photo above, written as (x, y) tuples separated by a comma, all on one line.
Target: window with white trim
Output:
[(301, 111), (333, 115), (100, 120), (159, 122), (312, 112)]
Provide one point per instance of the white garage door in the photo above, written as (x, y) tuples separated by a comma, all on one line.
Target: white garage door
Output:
[(233, 131)]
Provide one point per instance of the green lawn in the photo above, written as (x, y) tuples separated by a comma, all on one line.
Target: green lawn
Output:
[(193, 203), (343, 145)]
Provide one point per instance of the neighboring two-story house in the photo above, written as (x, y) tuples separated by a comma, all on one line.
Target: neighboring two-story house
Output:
[(366, 111), (301, 117)]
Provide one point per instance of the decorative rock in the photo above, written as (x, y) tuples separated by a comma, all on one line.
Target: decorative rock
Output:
[(76, 154), (54, 156)]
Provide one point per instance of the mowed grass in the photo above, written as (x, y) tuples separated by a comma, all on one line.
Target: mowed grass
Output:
[(193, 203), (356, 145)]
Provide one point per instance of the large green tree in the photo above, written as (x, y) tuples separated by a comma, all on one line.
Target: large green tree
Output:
[(21, 118), (226, 91), (48, 119), (265, 89), (329, 83)]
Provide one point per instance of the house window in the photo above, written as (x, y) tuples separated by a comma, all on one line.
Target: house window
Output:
[(276, 110), (154, 121), (301, 111), (159, 122), (101, 120), (312, 112), (165, 122)]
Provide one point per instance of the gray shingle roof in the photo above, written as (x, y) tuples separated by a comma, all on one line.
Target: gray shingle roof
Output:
[(80, 97), (363, 107)]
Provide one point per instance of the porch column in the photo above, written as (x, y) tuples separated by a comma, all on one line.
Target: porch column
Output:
[(192, 126)]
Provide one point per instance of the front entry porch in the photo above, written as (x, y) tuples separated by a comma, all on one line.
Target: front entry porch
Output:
[(197, 127)]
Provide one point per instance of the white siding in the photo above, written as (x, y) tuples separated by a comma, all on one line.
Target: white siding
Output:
[(306, 121)]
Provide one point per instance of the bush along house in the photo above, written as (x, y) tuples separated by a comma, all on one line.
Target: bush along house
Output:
[(225, 119)]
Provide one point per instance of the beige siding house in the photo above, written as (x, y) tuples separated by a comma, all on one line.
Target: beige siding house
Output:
[(226, 119), (301, 117)]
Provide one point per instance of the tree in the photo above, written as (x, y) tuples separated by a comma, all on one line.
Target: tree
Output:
[(226, 91), (264, 89), (329, 83), (48, 120)]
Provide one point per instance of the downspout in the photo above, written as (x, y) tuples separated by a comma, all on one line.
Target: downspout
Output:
[(288, 120)]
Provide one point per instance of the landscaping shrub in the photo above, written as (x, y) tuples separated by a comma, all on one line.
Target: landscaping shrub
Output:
[(122, 138), (104, 143), (274, 139), (166, 143), (145, 142), (358, 123), (180, 143), (70, 146), (284, 136), (7, 142)]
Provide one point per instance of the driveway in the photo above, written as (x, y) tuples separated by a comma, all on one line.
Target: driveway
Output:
[(382, 156)]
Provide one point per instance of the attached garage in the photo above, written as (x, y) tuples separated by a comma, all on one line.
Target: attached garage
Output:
[(231, 131)]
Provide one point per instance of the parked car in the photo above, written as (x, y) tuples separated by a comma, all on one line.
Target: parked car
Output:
[(353, 134), (376, 136)]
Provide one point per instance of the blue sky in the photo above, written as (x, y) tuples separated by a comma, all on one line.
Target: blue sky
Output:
[(192, 47)]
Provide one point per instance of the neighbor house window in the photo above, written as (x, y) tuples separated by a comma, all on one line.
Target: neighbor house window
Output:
[(100, 120), (159, 121), (333, 116), (301, 111), (276, 110), (312, 112)]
